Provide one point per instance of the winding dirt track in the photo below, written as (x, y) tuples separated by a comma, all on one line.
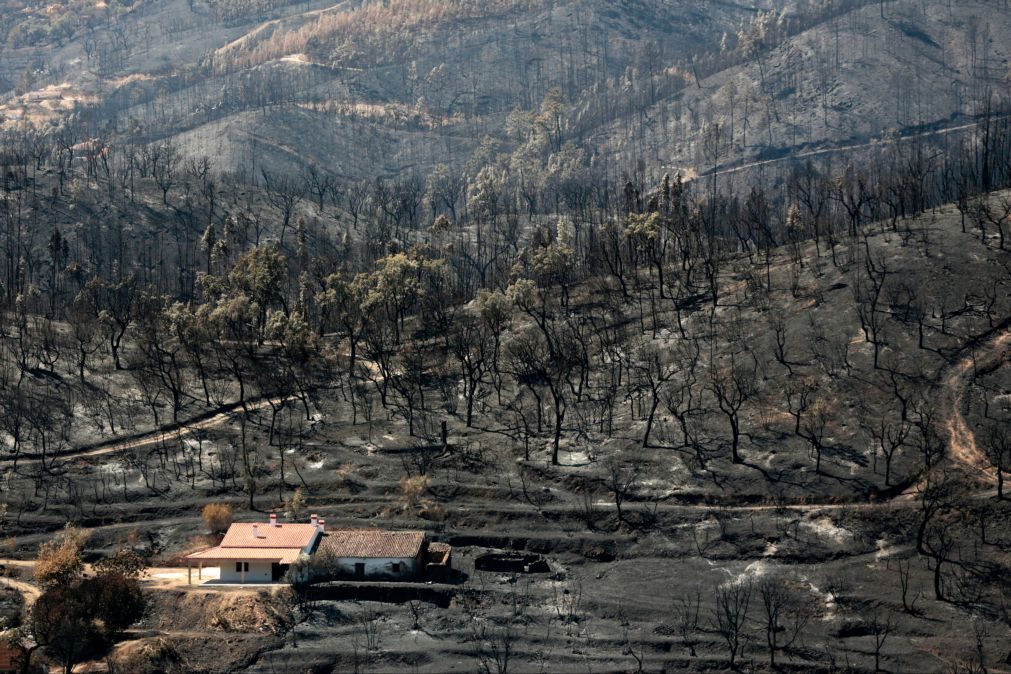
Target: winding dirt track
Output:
[(961, 441), (162, 436), (28, 591), (154, 437), (875, 142)]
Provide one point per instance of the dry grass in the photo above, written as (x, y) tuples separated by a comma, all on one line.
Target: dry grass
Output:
[(148, 655), (260, 613)]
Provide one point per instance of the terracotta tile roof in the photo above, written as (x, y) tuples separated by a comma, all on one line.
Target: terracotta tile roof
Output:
[(282, 555), (372, 543), (285, 535), (283, 542)]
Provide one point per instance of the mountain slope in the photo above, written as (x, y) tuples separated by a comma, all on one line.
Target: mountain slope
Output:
[(849, 79), (168, 67)]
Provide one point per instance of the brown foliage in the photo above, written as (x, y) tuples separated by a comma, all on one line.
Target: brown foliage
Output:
[(60, 559), (217, 516), (148, 656), (126, 563)]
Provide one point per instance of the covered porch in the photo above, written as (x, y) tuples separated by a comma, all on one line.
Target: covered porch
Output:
[(238, 565)]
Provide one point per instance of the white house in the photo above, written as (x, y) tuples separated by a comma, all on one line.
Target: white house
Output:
[(375, 554), (259, 552)]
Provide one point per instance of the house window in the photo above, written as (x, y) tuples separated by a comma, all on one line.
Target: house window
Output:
[(241, 566), (396, 567)]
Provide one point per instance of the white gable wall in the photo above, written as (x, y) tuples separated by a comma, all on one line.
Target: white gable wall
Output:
[(379, 567)]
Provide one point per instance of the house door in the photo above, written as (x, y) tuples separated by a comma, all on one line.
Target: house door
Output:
[(275, 572), (360, 570)]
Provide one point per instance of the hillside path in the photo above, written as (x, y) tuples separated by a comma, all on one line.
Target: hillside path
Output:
[(838, 148), (961, 441), (163, 434)]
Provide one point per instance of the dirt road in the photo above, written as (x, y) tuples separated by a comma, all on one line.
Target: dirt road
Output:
[(154, 437), (841, 148), (962, 445), (28, 591)]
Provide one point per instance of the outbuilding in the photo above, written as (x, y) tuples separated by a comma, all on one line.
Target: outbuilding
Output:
[(373, 554)]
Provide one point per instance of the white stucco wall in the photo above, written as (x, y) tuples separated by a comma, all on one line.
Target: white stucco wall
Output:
[(378, 567), (259, 572)]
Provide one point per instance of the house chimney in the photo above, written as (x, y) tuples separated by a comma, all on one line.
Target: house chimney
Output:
[(313, 519), (273, 520), (321, 525), (256, 534)]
